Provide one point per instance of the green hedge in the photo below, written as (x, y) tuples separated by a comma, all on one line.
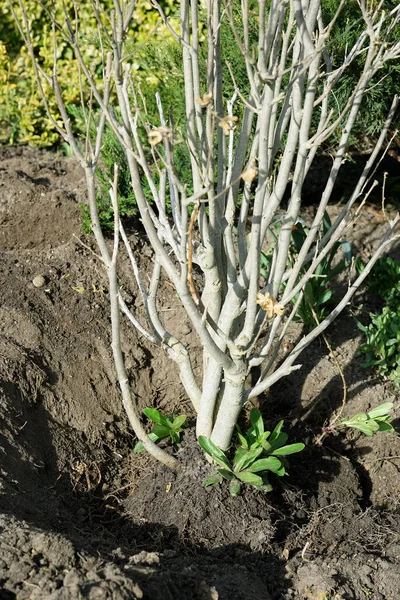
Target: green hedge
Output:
[(22, 117)]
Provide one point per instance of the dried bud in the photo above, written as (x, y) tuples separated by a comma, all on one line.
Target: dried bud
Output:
[(268, 304), (206, 100), (250, 172), (287, 347), (227, 124), (156, 136)]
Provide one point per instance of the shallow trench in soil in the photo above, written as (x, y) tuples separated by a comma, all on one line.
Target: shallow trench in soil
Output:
[(82, 517)]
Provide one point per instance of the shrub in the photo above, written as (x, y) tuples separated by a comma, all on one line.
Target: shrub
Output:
[(382, 344), (24, 120), (242, 155)]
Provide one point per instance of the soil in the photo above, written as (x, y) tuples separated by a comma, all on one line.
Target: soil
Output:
[(81, 516)]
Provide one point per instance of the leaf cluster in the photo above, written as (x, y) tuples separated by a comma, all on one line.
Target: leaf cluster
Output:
[(164, 427), (317, 293), (370, 423), (260, 453), (382, 343), (385, 281), (376, 102), (382, 335), (112, 153)]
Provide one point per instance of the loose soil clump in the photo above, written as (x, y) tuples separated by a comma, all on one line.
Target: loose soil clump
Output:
[(81, 516)]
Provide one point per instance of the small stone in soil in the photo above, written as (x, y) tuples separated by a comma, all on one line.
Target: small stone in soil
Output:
[(39, 281), (146, 558)]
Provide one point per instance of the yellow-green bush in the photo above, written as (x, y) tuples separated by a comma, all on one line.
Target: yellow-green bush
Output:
[(22, 116)]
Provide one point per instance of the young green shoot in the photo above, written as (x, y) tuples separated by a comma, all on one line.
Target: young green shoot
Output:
[(369, 423), (163, 427), (259, 453)]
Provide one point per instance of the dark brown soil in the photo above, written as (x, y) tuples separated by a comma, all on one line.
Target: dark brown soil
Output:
[(82, 517)]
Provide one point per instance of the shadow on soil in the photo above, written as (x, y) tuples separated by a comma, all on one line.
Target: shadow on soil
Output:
[(52, 493), (170, 536), (322, 405)]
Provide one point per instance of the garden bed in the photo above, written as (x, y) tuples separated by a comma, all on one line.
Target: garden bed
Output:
[(81, 516)]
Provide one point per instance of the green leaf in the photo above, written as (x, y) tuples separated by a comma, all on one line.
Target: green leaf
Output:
[(242, 440), (263, 441), (374, 425), (381, 410), (248, 477), (280, 440), (247, 458), (265, 464), (361, 326), (139, 446), (226, 474), (178, 422), (240, 452), (212, 450), (234, 487), (290, 449), (359, 417), (384, 426), (265, 487), (175, 436), (323, 298), (212, 479), (257, 422), (281, 472), (326, 222), (386, 418), (392, 342), (363, 427), (276, 432), (267, 447), (154, 415), (162, 431)]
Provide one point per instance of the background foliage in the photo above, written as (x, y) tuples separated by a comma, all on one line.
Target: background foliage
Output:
[(22, 116), (381, 347), (378, 98), (157, 66)]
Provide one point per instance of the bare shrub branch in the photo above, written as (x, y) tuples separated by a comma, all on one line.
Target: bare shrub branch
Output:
[(245, 154)]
